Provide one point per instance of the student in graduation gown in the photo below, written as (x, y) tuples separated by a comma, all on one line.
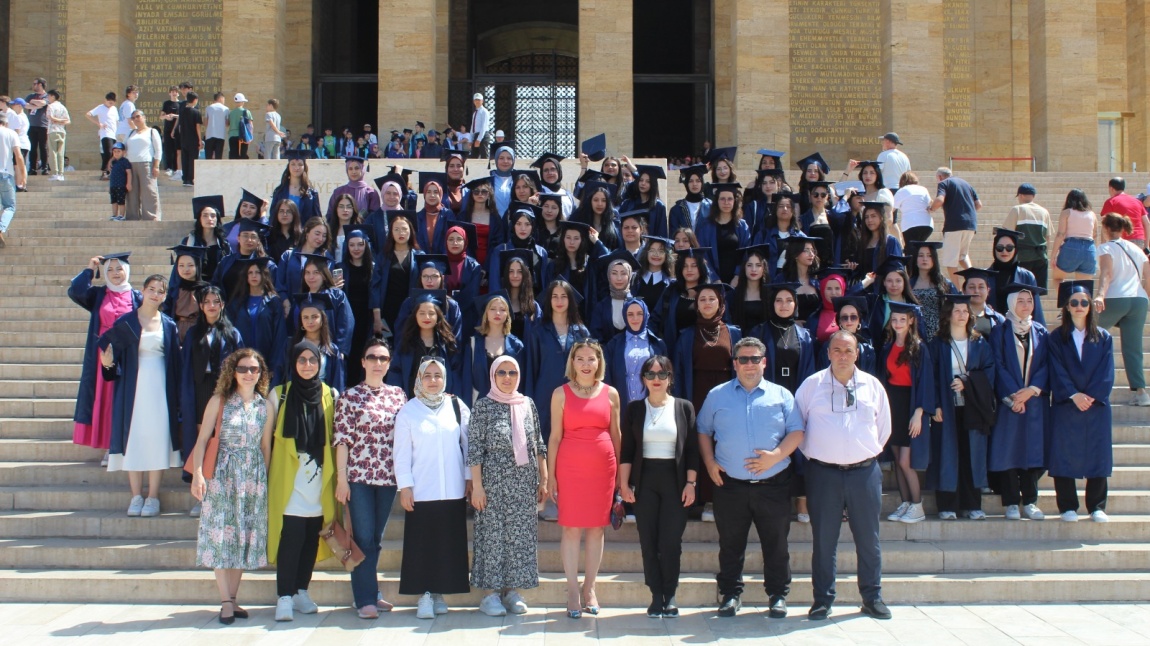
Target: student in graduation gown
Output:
[(906, 372), (576, 261), (867, 250), (285, 230), (396, 270), (1081, 377), (454, 163), (464, 280), (958, 453), (392, 187), (311, 321), (677, 309), (432, 221), (295, 185), (432, 275), (928, 284), (492, 339), (187, 277), (685, 212), (596, 211), (1021, 348), (255, 309), (823, 323), (748, 299), (316, 239), (549, 342), (105, 305), (850, 314), (358, 269), (616, 270), (365, 195), (519, 283), (823, 223), (656, 269), (632, 228), (627, 352), (250, 207), (723, 231), (141, 354), (208, 232), (502, 179), (551, 181), (521, 227), (643, 195), (479, 210), (802, 268), (426, 333), (790, 350), (814, 169), (758, 200), (249, 244), (976, 284), (345, 216), (547, 228), (891, 285), (318, 279), (1010, 271)]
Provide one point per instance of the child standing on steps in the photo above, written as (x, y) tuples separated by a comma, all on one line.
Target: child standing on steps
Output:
[(119, 182)]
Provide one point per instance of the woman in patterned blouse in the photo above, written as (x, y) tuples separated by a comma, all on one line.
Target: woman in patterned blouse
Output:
[(365, 475)]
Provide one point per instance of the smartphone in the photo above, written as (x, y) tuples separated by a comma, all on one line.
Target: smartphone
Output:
[(337, 274)]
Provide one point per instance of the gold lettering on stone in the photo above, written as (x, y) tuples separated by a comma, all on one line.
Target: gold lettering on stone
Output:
[(58, 46), (177, 42), (959, 95)]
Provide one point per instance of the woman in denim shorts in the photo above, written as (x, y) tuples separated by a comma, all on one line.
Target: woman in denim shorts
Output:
[(1075, 254)]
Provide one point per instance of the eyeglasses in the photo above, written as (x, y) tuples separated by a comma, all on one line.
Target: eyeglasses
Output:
[(1003, 247), (745, 359), (303, 361), (820, 194), (247, 370), (1079, 303), (378, 358), (502, 374), (848, 317), (661, 375)]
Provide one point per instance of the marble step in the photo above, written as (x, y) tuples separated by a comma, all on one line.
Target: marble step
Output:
[(70, 370), (53, 389), (38, 428)]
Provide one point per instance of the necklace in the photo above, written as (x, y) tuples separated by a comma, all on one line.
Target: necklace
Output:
[(579, 388), (655, 413)]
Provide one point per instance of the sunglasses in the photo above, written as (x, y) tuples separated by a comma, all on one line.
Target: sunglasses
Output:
[(378, 358), (1004, 247), (661, 375), (303, 361), (848, 317), (507, 373), (247, 370), (1079, 303), (820, 194), (744, 360)]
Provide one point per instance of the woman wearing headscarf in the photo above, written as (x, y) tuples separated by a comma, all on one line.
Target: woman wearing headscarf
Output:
[(508, 461), (432, 221), (551, 181), (493, 339), (301, 482), (105, 304), (465, 275), (694, 206), (502, 180), (823, 323), (454, 162), (607, 319), (430, 470), (521, 225), (180, 301), (627, 352), (1009, 271), (1021, 361)]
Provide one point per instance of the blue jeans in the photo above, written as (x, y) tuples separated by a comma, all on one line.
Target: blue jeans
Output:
[(1077, 255), (860, 490), (7, 201), (369, 507)]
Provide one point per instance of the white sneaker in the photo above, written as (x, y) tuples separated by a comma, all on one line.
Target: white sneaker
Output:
[(59, 178), (439, 604), (492, 606), (1070, 516), (629, 519), (976, 514), (136, 506), (196, 509), (1033, 512), (303, 603), (1099, 516), (947, 515), (914, 514), (1141, 399), (104, 461), (899, 512), (426, 607), (1012, 513), (803, 518), (177, 175), (514, 603), (284, 609), (168, 172), (151, 508), (708, 513)]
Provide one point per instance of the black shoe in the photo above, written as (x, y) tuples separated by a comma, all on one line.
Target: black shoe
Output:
[(730, 605), (778, 606), (876, 609), (670, 608), (819, 611), (32, 172), (227, 621), (655, 610), (239, 612)]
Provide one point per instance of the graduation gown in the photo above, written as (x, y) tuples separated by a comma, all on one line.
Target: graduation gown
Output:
[(656, 217), (438, 241), (453, 314), (380, 276), (309, 206), (404, 363), (495, 266), (766, 333), (124, 337), (922, 395), (365, 196), (376, 225), (476, 372), (469, 284), (289, 272), (945, 436), (684, 361), (1080, 441), (497, 234), (680, 216), (547, 365), (1018, 441), (192, 407), (261, 333), (91, 298), (568, 202), (340, 320), (1022, 276), (616, 355), (603, 321), (707, 232), (228, 266)]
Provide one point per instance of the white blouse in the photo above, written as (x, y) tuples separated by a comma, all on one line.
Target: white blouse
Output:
[(431, 450), (660, 433)]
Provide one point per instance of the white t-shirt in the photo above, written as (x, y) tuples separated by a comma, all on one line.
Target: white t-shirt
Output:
[(145, 147), (109, 120), (913, 201), (8, 143), (18, 121), (124, 128), (1126, 279), (272, 118), (217, 121), (894, 164)]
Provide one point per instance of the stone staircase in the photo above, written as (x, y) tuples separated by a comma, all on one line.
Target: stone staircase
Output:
[(64, 535)]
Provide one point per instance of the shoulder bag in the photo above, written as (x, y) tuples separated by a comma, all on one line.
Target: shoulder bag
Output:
[(210, 453)]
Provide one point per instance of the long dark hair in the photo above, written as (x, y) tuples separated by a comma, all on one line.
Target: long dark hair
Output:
[(944, 321), (241, 291), (652, 195), (1076, 201), (934, 274), (489, 203), (736, 210), (333, 223), (912, 351), (586, 215), (276, 232), (704, 271), (526, 298), (857, 243), (772, 219), (314, 223), (198, 229), (304, 182), (562, 263), (1067, 325), (573, 316), (907, 292), (791, 264), (325, 344), (222, 325), (410, 341), (740, 294)]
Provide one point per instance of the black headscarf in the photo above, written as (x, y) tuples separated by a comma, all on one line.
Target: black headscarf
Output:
[(303, 413)]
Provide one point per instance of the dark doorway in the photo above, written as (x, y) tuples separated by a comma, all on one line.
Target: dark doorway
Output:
[(345, 64)]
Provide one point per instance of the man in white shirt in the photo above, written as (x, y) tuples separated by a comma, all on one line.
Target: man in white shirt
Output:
[(12, 174), (124, 127), (18, 121), (846, 415), (215, 127), (894, 161), (107, 120), (480, 127)]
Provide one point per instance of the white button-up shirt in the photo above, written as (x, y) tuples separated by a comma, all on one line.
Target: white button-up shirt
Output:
[(431, 450), (839, 431)]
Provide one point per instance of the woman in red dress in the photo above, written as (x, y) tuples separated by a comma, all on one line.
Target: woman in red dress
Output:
[(582, 455)]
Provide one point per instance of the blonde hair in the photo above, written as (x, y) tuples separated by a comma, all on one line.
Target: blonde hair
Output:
[(485, 324), (579, 345)]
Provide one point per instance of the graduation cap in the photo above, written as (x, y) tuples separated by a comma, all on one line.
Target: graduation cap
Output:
[(638, 214), (544, 158), (498, 147), (437, 297), (259, 261), (722, 289), (763, 250), (354, 231), (353, 158), (811, 186), (667, 242), (578, 298), (319, 300), (122, 256), (618, 255), (730, 187), (958, 299), (526, 256), (400, 179), (914, 246), (187, 250), (477, 182), (420, 124), (595, 148), (426, 178), (406, 215), (250, 198), (904, 308), (987, 275), (549, 197), (534, 210), (771, 172), (590, 187), (407, 131), (437, 260), (448, 154), (532, 175), (879, 206), (694, 252), (858, 302), (1069, 287), (214, 201), (798, 239), (699, 254), (302, 154), (814, 158), (1014, 288), (581, 227), (842, 272), (718, 154), (686, 173), (774, 288), (767, 152), (877, 165), (1009, 233), (319, 260), (653, 171), (470, 236), (589, 176), (252, 224), (483, 301)]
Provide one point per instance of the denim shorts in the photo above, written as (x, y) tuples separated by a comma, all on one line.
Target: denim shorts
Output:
[(1078, 255)]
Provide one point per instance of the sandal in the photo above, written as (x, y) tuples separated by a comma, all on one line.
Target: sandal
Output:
[(239, 612), (591, 608), (573, 613), (229, 620)]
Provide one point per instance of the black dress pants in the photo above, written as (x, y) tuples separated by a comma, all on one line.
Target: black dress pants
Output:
[(214, 148), (106, 144), (1020, 486), (188, 154), (237, 149), (767, 504), (38, 156), (661, 520), (1067, 494), (966, 496), (295, 560)]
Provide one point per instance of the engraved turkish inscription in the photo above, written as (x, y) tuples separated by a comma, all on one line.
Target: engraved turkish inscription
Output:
[(177, 42), (959, 94)]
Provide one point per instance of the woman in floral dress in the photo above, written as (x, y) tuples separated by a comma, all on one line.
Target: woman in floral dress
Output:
[(233, 523)]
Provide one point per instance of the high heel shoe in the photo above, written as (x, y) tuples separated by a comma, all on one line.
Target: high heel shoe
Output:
[(237, 611), (576, 613), (588, 607), (227, 621)]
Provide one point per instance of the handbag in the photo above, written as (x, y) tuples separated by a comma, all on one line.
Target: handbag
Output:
[(617, 512), (210, 453), (340, 542), (246, 135)]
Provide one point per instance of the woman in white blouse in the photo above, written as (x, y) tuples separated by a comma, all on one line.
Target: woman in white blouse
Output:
[(434, 481)]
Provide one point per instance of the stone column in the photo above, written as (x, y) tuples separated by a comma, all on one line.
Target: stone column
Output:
[(1064, 84), (297, 81), (1138, 57), (760, 48), (606, 90), (253, 46), (409, 62), (913, 101)]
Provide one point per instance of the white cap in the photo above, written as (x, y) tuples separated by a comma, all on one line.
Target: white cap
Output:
[(499, 133), (240, 98), (477, 97)]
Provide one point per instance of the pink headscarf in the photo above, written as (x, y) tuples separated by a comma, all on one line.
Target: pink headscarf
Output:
[(519, 408)]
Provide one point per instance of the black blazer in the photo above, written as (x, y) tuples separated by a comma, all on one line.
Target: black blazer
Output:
[(686, 449)]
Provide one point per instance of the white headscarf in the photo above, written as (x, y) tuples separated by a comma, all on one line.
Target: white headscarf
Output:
[(432, 401), (125, 286)]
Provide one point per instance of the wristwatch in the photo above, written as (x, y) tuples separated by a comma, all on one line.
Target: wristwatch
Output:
[(692, 483)]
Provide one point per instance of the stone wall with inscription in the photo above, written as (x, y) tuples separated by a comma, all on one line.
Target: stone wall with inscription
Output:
[(177, 42), (836, 84)]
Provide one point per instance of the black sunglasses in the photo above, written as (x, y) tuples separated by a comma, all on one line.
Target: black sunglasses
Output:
[(661, 375), (820, 194), (744, 360), (1004, 247), (377, 358), (1079, 303)]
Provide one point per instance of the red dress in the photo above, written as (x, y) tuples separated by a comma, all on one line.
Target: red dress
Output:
[(585, 464)]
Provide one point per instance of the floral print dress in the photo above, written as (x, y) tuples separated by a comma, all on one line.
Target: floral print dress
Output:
[(234, 517)]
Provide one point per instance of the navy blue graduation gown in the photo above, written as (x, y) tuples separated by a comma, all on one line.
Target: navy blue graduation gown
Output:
[(680, 216), (262, 333), (227, 263), (1081, 445), (309, 206), (616, 356), (289, 272), (603, 321), (376, 225), (124, 337), (453, 314), (470, 281), (192, 412), (945, 436), (657, 218), (438, 241), (547, 365), (866, 360), (707, 233), (876, 326), (765, 332), (922, 395), (405, 363), (91, 298), (476, 372), (1022, 276), (380, 275), (684, 361), (1018, 441)]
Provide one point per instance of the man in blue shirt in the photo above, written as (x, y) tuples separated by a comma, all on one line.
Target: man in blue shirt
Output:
[(960, 205), (748, 428)]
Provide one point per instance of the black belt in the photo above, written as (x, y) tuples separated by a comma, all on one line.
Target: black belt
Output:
[(769, 480), (843, 467)]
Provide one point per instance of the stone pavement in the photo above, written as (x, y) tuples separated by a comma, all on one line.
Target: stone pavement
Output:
[(989, 625)]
